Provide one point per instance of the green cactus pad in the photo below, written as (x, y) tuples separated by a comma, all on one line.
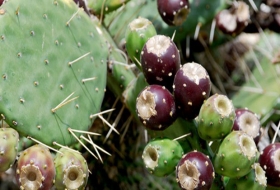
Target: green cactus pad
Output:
[(53, 68), (216, 117), (236, 155), (71, 170), (161, 155), (254, 180), (9, 139)]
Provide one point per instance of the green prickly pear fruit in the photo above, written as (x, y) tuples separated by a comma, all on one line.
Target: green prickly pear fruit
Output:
[(9, 139), (35, 168), (98, 6), (137, 34), (236, 155), (254, 180), (216, 117), (161, 156), (71, 170)]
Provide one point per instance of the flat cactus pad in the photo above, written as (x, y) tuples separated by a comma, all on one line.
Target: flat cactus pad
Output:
[(53, 68)]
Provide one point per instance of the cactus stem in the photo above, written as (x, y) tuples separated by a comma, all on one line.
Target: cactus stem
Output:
[(183, 136), (66, 147), (78, 59), (28, 137), (88, 79), (75, 136), (68, 22)]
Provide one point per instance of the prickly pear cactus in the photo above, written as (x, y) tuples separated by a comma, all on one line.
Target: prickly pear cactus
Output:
[(53, 68)]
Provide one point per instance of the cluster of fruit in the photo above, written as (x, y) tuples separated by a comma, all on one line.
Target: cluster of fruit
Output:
[(37, 169), (184, 91)]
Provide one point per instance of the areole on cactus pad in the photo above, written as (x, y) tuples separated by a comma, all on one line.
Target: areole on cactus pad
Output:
[(53, 67)]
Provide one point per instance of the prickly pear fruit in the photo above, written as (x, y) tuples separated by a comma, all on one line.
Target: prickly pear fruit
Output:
[(248, 122), (216, 117), (233, 21), (160, 60), (161, 155), (156, 107), (191, 86), (98, 6), (137, 33), (270, 161), (58, 59), (195, 171), (254, 180), (35, 168), (173, 12), (236, 155), (71, 170), (9, 139)]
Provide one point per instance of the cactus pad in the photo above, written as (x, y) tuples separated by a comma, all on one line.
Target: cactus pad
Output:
[(53, 68)]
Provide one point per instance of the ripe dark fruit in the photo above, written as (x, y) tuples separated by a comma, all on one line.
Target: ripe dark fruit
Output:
[(234, 20), (173, 12), (192, 86), (248, 122), (155, 107), (160, 60), (195, 171), (270, 162)]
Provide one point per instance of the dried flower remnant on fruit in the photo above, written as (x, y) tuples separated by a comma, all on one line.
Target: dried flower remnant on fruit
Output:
[(146, 105), (188, 175)]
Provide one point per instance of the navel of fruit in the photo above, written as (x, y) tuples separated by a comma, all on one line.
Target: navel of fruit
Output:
[(160, 60), (161, 155), (191, 87), (195, 171), (155, 107), (248, 122)]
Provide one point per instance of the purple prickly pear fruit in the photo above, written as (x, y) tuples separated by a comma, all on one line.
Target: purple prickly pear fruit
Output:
[(173, 12), (191, 87), (235, 155), (155, 107), (195, 171), (8, 147), (270, 161), (35, 168), (247, 121), (160, 60), (216, 117), (234, 20), (71, 170), (161, 155)]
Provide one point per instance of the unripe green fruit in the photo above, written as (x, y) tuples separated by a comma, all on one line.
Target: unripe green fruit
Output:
[(216, 117), (161, 156), (236, 155), (8, 147)]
